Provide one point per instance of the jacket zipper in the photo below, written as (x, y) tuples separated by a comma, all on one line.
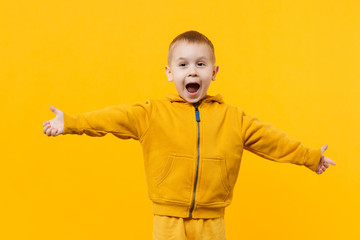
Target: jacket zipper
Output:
[(197, 114)]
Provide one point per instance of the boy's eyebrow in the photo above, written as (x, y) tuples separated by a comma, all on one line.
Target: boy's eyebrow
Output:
[(181, 58)]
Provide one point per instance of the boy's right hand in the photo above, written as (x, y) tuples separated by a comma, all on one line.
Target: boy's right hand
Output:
[(54, 126)]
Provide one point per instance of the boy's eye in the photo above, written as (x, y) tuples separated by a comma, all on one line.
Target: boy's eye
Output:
[(200, 64)]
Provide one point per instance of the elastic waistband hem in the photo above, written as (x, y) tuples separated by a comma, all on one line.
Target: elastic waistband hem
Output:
[(184, 210)]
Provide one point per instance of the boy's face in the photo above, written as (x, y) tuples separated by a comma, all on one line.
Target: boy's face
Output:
[(192, 70)]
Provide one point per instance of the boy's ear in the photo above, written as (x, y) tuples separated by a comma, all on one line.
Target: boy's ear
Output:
[(168, 73), (215, 71)]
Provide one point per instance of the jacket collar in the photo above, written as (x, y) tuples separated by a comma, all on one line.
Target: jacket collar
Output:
[(176, 98)]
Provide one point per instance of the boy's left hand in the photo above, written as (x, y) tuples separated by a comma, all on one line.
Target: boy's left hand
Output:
[(324, 161)]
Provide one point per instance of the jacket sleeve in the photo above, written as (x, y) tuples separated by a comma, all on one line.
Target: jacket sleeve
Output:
[(265, 140), (123, 121)]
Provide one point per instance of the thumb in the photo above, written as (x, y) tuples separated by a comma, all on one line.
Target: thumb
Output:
[(323, 148), (54, 110)]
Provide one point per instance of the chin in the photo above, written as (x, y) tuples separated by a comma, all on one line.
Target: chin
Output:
[(193, 100)]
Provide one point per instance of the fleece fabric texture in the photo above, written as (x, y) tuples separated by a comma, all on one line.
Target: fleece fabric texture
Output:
[(174, 228), (192, 157)]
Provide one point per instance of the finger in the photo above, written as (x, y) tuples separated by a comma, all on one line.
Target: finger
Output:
[(53, 132), (326, 164), (46, 123), (48, 132), (328, 160), (323, 148), (45, 128)]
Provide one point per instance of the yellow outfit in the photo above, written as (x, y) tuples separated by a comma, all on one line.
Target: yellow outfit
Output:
[(174, 228), (192, 153)]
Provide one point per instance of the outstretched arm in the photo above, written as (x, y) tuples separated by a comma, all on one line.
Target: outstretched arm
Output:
[(268, 142), (123, 121)]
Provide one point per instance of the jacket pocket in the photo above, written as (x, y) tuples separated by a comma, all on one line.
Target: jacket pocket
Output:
[(214, 186), (174, 183)]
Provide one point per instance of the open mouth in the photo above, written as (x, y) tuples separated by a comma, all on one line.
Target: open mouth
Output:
[(192, 88)]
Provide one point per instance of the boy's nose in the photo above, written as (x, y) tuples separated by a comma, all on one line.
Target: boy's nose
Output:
[(192, 72)]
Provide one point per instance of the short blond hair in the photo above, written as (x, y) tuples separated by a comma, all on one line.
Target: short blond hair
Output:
[(192, 37)]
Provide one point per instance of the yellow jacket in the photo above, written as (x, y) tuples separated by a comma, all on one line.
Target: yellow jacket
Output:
[(192, 154)]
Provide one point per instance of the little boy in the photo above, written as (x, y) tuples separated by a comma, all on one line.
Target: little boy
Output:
[(192, 143)]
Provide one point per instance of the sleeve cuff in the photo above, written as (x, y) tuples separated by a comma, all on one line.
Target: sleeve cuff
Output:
[(70, 124), (313, 159)]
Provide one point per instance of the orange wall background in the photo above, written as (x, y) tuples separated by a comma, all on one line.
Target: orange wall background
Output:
[(294, 64)]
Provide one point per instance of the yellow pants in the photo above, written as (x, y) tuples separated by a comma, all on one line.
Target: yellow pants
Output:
[(174, 228)]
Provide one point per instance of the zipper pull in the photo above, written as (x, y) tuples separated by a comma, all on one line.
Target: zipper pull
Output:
[(197, 113)]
